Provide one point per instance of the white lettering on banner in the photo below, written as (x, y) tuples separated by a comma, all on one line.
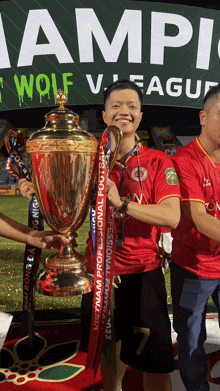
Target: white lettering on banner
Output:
[(208, 85), (176, 86), (204, 43), (135, 79), (175, 90), (4, 58), (88, 26), (158, 38), (30, 48), (198, 89), (128, 32), (95, 90), (155, 85)]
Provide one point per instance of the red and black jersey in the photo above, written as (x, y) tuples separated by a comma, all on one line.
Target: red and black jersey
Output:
[(199, 178), (140, 251)]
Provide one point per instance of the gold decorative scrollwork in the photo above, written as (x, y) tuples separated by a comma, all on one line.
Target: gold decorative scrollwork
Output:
[(54, 145)]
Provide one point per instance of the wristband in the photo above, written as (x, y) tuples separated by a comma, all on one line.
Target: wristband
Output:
[(124, 206)]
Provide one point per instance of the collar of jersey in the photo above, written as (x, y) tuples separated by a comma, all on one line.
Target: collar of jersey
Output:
[(127, 158), (204, 152)]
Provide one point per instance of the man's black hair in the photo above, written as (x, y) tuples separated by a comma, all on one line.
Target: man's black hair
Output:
[(123, 85), (214, 91)]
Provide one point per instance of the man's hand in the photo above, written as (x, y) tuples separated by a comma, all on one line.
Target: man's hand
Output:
[(26, 188), (113, 195), (47, 239)]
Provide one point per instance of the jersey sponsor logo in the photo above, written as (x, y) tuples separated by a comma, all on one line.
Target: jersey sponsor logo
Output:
[(134, 198), (139, 174), (206, 182), (171, 176), (212, 206)]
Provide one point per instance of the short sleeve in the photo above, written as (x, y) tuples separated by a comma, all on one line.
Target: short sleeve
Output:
[(166, 180), (190, 188)]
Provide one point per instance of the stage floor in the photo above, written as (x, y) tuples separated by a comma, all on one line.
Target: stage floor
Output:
[(56, 361)]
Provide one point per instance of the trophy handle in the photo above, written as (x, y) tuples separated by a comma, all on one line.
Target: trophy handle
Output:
[(118, 136)]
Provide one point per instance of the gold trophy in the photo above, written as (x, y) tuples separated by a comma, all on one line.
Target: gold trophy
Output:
[(63, 161)]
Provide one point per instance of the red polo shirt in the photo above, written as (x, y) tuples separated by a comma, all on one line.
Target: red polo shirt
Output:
[(140, 251), (199, 178)]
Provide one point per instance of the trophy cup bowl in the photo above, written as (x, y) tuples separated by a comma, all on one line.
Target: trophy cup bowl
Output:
[(62, 158)]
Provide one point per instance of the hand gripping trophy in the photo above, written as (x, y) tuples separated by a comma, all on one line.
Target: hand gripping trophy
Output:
[(63, 162)]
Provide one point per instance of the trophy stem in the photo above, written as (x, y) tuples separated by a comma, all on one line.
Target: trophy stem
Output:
[(64, 273), (68, 250)]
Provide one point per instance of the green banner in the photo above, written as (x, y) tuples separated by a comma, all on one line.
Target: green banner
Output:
[(171, 51)]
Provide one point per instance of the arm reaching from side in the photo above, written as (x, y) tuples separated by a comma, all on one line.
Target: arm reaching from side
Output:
[(13, 230)]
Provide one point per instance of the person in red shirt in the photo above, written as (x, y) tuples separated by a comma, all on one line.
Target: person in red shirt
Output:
[(144, 194), (195, 270)]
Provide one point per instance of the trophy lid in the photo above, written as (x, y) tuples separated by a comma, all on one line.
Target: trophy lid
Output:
[(61, 127), (61, 118)]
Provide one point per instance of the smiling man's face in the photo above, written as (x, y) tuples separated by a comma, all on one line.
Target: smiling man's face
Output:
[(123, 109)]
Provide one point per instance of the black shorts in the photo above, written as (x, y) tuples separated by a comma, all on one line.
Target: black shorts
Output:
[(140, 302)]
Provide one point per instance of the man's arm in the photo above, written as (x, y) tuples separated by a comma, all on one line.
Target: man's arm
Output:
[(203, 222), (165, 214), (13, 230)]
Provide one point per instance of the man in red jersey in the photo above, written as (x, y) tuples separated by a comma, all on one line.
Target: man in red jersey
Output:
[(144, 194), (195, 271), (147, 181)]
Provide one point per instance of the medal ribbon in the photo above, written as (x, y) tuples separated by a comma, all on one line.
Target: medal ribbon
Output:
[(32, 254), (105, 237), (123, 169), (106, 142), (15, 159), (31, 262), (108, 279)]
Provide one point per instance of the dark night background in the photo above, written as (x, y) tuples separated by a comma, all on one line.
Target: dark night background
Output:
[(183, 120)]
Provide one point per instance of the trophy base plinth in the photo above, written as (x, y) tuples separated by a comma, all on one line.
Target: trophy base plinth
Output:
[(64, 276)]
